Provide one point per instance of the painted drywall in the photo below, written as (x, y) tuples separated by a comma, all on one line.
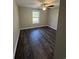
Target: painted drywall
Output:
[(26, 17), (60, 50), (15, 26), (53, 17)]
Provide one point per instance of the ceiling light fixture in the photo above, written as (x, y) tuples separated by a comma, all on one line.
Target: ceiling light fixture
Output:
[(44, 8)]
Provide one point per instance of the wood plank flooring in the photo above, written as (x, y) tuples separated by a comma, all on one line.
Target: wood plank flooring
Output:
[(37, 43)]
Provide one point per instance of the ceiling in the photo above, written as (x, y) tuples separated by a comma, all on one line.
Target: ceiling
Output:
[(33, 3)]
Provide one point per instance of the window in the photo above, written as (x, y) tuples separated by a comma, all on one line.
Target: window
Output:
[(35, 17)]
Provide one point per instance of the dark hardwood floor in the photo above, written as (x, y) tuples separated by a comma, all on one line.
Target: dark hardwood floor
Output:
[(37, 43)]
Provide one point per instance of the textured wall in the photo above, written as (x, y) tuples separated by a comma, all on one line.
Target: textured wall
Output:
[(53, 17), (26, 17)]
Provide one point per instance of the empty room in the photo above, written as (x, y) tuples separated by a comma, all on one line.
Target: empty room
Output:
[(39, 29)]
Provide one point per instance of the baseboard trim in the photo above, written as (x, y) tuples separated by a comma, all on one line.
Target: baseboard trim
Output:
[(52, 27), (36, 27), (32, 27)]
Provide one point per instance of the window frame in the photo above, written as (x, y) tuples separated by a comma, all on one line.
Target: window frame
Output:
[(38, 21)]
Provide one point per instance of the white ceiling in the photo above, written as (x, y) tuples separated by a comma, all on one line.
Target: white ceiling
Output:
[(32, 3)]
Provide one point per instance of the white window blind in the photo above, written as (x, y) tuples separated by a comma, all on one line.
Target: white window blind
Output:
[(35, 17)]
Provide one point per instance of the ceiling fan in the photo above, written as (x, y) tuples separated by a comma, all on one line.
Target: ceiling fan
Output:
[(46, 3)]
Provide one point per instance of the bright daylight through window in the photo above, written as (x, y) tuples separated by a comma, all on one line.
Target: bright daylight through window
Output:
[(35, 17)]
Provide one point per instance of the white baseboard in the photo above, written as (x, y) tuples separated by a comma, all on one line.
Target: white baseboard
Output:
[(16, 45), (51, 27), (37, 26), (32, 27)]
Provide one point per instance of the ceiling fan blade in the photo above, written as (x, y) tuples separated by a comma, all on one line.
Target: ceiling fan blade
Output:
[(51, 6), (49, 1), (46, 3)]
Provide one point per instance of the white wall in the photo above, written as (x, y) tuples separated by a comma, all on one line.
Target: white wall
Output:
[(15, 26), (26, 17), (53, 17)]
